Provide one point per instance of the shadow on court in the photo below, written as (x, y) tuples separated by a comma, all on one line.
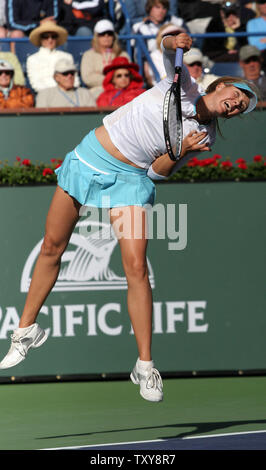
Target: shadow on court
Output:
[(199, 429)]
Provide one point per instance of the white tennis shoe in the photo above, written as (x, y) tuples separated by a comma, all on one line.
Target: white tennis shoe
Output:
[(21, 341), (149, 380)]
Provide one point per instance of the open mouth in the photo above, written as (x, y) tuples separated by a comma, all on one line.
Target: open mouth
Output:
[(227, 107)]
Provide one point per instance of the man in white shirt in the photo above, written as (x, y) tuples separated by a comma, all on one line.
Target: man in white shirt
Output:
[(65, 94)]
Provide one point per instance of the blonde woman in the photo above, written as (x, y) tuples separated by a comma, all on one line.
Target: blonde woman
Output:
[(105, 48)]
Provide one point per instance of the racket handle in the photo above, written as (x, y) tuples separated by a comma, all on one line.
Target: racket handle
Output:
[(179, 57)]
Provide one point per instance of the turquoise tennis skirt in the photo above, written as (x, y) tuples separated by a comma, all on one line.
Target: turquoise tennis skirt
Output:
[(95, 178)]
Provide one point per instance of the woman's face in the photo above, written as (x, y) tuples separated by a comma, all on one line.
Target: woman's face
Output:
[(5, 78), (229, 101), (49, 40), (106, 39), (158, 13), (121, 78)]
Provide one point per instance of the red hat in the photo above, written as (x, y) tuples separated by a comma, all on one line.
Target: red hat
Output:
[(120, 63)]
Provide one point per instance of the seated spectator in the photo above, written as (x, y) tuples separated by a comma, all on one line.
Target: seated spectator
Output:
[(19, 78), (196, 64), (13, 96), (25, 15), (137, 12), (41, 65), (105, 47), (258, 25), (157, 54), (64, 94), (80, 16), (225, 49), (157, 15), (122, 83), (250, 62)]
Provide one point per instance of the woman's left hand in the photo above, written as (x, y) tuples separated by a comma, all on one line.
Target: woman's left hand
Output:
[(191, 143)]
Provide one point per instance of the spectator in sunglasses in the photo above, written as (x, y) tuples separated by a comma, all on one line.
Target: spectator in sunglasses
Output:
[(122, 83), (12, 96), (65, 94), (41, 65), (251, 64), (105, 47), (198, 66)]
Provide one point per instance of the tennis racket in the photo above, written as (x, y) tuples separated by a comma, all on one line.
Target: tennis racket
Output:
[(172, 114)]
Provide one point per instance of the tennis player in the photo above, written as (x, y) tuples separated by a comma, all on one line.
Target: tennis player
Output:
[(119, 160)]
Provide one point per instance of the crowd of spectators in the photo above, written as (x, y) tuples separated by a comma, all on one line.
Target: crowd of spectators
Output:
[(107, 73)]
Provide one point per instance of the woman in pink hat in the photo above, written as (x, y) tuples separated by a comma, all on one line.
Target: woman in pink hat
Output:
[(122, 83)]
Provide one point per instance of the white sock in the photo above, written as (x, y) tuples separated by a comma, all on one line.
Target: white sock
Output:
[(21, 331), (144, 364)]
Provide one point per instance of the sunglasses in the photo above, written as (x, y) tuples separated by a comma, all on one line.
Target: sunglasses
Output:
[(121, 75), (6, 72), (49, 35), (252, 59), (108, 33), (199, 64), (71, 72)]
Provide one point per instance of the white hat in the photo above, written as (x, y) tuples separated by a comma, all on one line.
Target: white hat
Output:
[(171, 28), (64, 65), (4, 65), (103, 25), (193, 55)]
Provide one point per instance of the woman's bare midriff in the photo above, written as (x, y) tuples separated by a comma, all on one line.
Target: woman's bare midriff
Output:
[(104, 139)]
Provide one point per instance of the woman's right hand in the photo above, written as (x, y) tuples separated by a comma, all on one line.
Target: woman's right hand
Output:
[(182, 40), (191, 143)]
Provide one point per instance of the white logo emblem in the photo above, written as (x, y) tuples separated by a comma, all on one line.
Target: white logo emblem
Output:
[(85, 265)]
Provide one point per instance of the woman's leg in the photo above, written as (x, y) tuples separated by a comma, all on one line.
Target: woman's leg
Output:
[(130, 228), (61, 220)]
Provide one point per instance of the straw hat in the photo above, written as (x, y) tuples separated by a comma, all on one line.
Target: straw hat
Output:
[(48, 27)]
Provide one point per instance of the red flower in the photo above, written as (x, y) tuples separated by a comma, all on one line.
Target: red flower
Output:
[(242, 165), (227, 164), (216, 156), (257, 158), (57, 166), (26, 162), (18, 159), (53, 160), (240, 160), (193, 162), (47, 171)]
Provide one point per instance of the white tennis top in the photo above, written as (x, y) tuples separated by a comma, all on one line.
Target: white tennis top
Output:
[(136, 128)]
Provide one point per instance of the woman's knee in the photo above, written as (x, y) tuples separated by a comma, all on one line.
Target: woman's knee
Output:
[(52, 247), (135, 267)]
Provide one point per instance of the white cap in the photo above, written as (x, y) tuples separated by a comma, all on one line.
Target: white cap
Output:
[(103, 25), (64, 65), (193, 55), (4, 65)]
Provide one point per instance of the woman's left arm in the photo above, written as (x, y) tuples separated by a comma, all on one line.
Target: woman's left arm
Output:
[(163, 165)]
